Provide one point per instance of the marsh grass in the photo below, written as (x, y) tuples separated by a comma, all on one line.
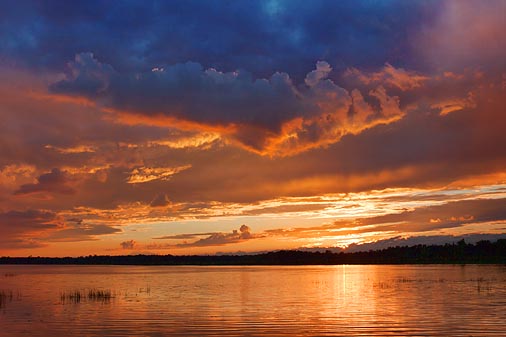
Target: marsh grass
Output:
[(146, 290), (5, 296), (137, 292), (482, 285), (404, 281), (77, 296), (8, 296), (96, 294), (100, 295)]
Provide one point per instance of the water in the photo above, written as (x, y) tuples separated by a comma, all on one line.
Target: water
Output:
[(252, 301)]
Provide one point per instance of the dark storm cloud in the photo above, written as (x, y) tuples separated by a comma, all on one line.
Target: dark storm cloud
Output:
[(186, 90), (90, 76), (266, 115), (261, 36)]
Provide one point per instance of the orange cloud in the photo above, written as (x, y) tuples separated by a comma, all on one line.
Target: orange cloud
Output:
[(200, 140), (209, 239), (266, 116), (55, 181), (388, 76), (145, 174), (75, 149), (456, 104)]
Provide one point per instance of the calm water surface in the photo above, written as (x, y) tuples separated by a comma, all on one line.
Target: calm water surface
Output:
[(254, 301)]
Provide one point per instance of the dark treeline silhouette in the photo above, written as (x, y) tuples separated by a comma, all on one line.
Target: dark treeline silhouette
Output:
[(456, 253)]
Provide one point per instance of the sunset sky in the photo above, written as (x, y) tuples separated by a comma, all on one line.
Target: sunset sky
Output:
[(197, 127)]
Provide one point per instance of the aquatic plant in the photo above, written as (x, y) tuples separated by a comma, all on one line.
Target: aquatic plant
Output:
[(5, 296), (76, 296), (483, 285), (146, 290), (97, 294)]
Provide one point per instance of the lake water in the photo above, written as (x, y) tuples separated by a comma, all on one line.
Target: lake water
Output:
[(434, 300)]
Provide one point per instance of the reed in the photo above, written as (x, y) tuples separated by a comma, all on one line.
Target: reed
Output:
[(97, 294), (5, 296), (146, 290), (76, 296)]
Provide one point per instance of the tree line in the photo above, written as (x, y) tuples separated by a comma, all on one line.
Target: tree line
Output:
[(482, 252)]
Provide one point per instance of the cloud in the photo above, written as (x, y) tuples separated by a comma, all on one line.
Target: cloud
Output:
[(36, 228), (290, 35), (288, 208), (14, 175), (22, 229), (22, 244), (27, 220), (465, 34), (211, 239), (188, 236), (192, 92), (386, 155), (130, 244), (146, 174), (399, 154), (415, 222), (423, 240), (76, 149), (454, 104), (55, 181), (321, 72), (90, 76), (389, 76), (161, 200), (451, 214), (200, 141), (421, 108), (265, 115), (75, 231)]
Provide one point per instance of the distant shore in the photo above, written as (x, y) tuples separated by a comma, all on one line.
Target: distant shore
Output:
[(483, 252)]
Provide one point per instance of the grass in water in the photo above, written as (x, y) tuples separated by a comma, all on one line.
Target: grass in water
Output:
[(96, 294), (8, 296), (76, 296)]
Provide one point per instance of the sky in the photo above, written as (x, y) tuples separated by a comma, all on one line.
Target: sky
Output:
[(204, 127)]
